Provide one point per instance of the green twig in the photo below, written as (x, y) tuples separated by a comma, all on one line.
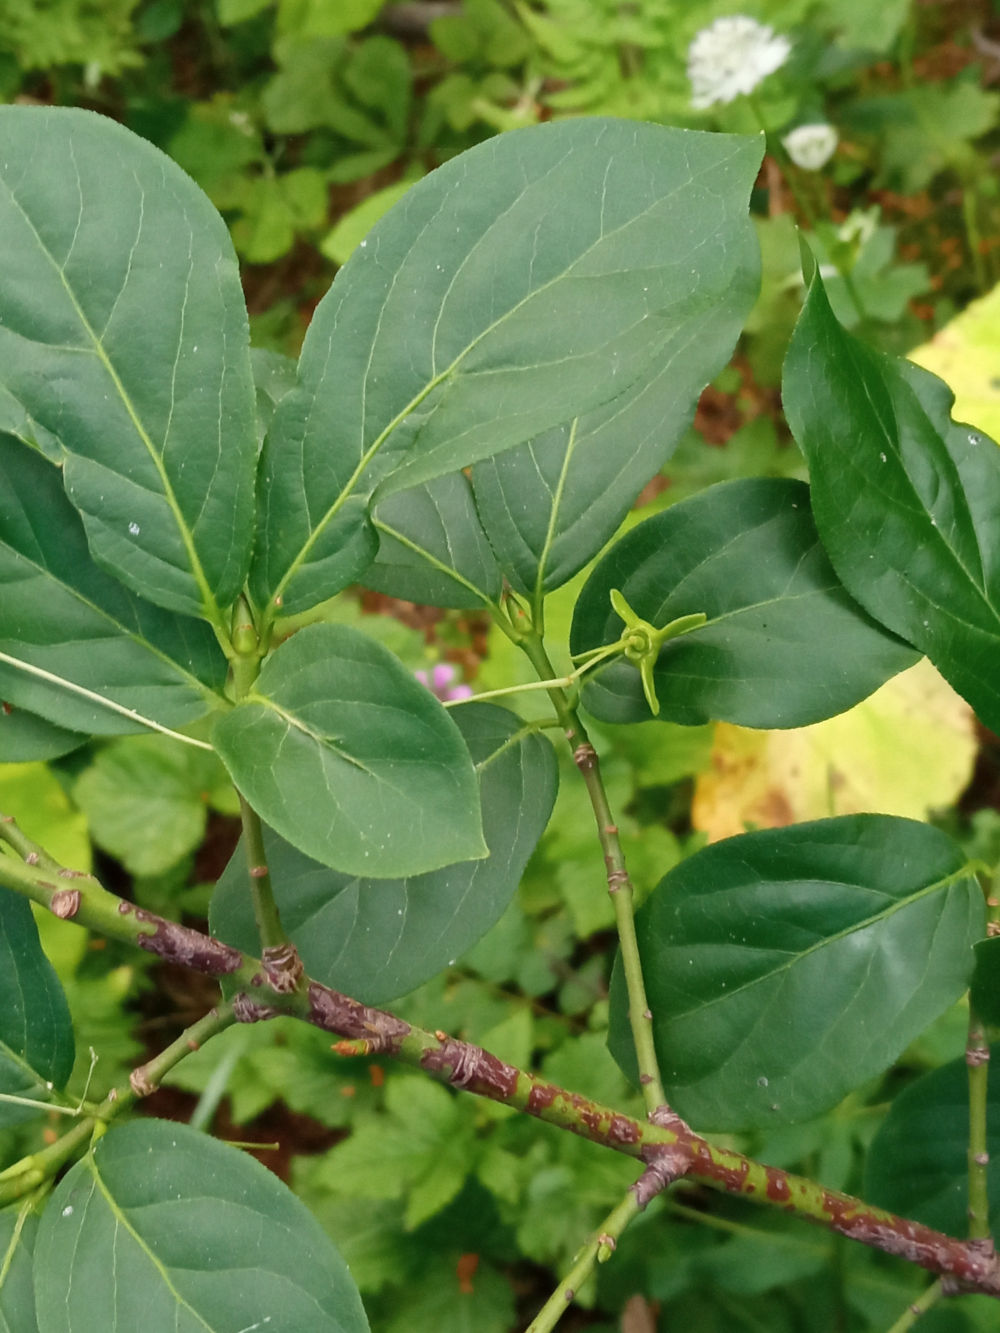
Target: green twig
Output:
[(661, 1140), (598, 1248), (918, 1307), (31, 1172), (619, 883), (270, 931), (977, 1058)]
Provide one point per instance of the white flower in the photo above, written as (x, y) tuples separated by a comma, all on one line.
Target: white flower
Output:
[(811, 146), (859, 226), (732, 56)]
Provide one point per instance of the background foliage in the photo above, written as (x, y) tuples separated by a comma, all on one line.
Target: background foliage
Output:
[(304, 121)]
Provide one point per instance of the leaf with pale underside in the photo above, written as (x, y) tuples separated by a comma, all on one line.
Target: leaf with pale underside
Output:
[(376, 939), (61, 613), (786, 967), (354, 762), (549, 506), (36, 1033), (432, 548), (161, 1227), (784, 645), (123, 335), (535, 277), (905, 500)]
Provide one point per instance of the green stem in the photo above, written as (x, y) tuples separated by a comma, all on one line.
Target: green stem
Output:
[(270, 931), (973, 236), (619, 883), (917, 1308), (598, 1248), (977, 1057), (245, 668), (27, 1206), (560, 682), (30, 1172), (664, 1143)]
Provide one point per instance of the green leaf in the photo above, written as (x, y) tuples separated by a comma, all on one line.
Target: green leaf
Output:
[(549, 506), (146, 800), (482, 1303), (17, 1299), (351, 760), (423, 1148), (354, 225), (432, 548), (379, 938), (123, 332), (273, 376), (316, 18), (537, 276), (905, 500), (275, 209), (918, 1162), (238, 11), (26, 736), (162, 1227), (984, 988), (925, 129), (36, 1032), (784, 645), (781, 966), (61, 613), (774, 1251)]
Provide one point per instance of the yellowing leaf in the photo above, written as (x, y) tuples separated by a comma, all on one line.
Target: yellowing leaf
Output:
[(966, 355), (907, 749)]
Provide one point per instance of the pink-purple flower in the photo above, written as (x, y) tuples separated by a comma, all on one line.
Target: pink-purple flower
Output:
[(438, 681)]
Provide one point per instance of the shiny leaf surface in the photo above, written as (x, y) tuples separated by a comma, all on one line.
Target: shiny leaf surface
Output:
[(784, 644), (123, 333), (786, 967), (905, 500), (376, 939), (351, 760)]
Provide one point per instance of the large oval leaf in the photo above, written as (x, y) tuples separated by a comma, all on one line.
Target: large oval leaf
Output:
[(160, 1227), (786, 967), (535, 277), (784, 644), (123, 333), (63, 614), (906, 501), (549, 506), (376, 939), (351, 760), (918, 1162), (36, 1032)]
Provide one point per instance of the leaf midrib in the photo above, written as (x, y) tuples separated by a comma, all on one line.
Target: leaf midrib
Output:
[(895, 906), (445, 374), (43, 572), (847, 457), (208, 597)]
